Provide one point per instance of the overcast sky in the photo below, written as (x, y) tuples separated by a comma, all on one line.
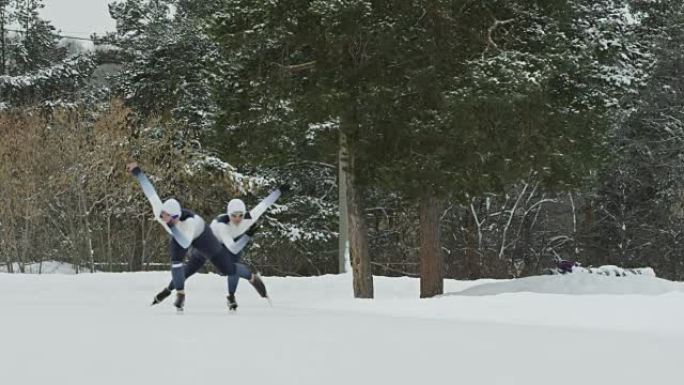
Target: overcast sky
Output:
[(79, 17)]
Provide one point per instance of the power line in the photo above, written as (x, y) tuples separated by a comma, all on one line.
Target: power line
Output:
[(58, 35)]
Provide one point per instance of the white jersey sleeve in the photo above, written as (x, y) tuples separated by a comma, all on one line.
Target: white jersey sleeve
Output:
[(151, 194), (223, 233), (261, 208), (188, 229)]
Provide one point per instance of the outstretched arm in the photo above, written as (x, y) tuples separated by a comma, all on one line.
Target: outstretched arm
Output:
[(254, 215), (261, 208), (156, 203), (148, 188)]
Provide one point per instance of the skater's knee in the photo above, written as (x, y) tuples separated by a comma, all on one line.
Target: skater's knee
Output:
[(243, 271), (224, 265)]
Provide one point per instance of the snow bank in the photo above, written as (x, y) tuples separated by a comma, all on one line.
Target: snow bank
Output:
[(566, 267), (615, 271), (578, 284)]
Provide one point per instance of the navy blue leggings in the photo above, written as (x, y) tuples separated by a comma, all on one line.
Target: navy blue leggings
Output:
[(223, 265), (204, 246), (241, 271)]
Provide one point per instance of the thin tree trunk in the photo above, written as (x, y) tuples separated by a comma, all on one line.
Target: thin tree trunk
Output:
[(3, 55), (510, 220), (86, 223), (431, 258), (8, 257), (473, 262), (574, 225), (26, 248), (91, 250), (109, 236), (138, 263), (358, 234), (589, 214), (344, 216)]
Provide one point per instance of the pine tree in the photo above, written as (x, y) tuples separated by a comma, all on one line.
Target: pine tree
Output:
[(639, 194), (165, 54), (297, 65), (36, 70), (39, 42), (442, 98), (532, 89), (173, 70)]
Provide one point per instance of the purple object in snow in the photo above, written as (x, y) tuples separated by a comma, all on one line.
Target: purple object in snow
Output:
[(566, 266)]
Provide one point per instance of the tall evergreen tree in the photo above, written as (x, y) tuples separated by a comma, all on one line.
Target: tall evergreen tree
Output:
[(165, 54), (441, 97), (639, 197), (36, 70), (529, 90), (172, 69), (39, 43), (299, 65)]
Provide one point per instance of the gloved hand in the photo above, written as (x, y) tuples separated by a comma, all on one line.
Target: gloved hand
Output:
[(284, 188), (133, 168), (252, 230)]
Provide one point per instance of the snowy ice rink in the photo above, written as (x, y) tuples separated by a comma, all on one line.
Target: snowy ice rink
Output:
[(100, 329)]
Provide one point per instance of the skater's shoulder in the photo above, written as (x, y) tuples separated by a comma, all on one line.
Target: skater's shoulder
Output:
[(223, 219), (187, 214)]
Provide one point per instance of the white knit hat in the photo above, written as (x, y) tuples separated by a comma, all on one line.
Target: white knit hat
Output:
[(172, 207), (236, 206)]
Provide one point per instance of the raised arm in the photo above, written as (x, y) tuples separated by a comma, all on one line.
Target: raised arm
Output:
[(261, 208), (148, 188), (155, 201)]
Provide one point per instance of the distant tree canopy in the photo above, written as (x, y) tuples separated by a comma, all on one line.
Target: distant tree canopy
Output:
[(476, 139)]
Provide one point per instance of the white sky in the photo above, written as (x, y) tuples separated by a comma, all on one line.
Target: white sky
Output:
[(79, 17)]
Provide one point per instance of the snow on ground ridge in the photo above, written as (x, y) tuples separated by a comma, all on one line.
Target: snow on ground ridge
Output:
[(577, 284)]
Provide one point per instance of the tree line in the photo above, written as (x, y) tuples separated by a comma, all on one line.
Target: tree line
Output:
[(442, 138)]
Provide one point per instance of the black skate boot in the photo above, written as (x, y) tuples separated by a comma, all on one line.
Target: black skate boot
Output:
[(258, 285), (232, 304), (180, 301), (161, 296)]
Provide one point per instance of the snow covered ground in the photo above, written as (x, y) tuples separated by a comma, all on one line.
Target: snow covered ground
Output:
[(99, 329)]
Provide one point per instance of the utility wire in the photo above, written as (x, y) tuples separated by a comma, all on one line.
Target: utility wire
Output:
[(58, 35)]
